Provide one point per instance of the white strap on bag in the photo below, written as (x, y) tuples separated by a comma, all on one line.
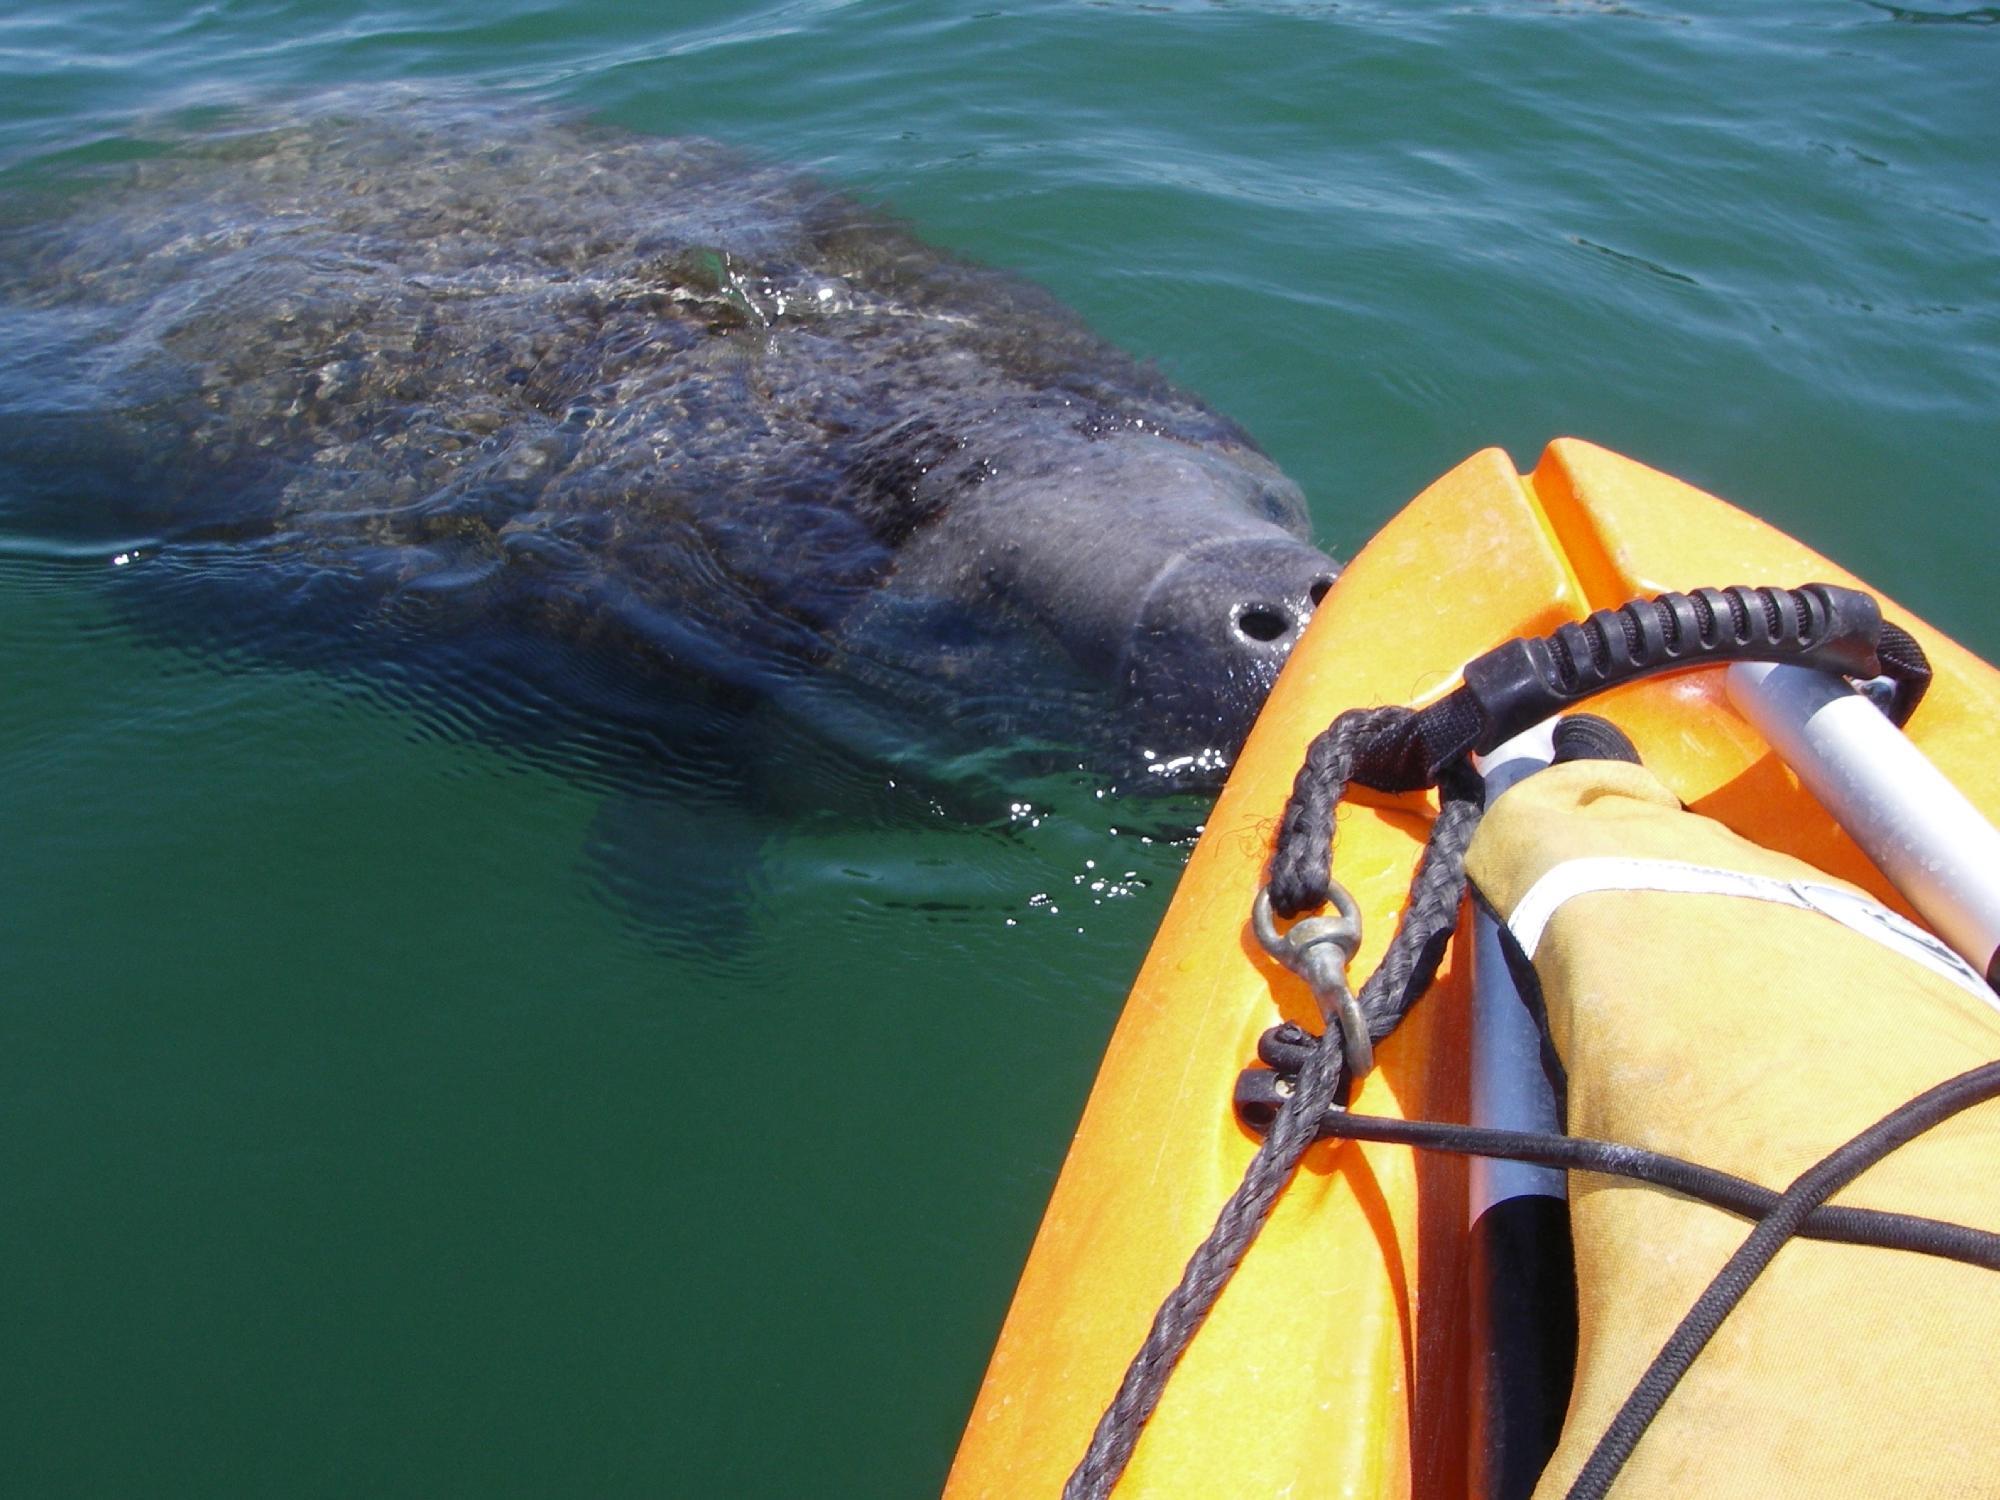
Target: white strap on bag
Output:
[(1857, 913)]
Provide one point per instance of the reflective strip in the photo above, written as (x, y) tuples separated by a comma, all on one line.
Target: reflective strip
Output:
[(1857, 913)]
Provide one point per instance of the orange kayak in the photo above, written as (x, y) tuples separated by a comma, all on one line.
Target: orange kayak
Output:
[(1335, 1362)]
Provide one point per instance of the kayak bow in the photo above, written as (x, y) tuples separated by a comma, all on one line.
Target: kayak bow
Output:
[(1337, 1360)]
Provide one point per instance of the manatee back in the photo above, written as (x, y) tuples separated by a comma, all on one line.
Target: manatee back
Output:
[(505, 370)]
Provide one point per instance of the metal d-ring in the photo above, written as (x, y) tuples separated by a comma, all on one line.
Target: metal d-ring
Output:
[(1318, 950)]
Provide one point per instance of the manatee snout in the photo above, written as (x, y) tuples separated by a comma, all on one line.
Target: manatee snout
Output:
[(1213, 631), (1175, 575)]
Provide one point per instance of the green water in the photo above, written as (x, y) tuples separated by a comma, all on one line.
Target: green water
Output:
[(360, 1135)]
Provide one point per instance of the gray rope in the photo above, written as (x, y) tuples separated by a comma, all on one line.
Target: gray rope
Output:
[(1405, 972), (1302, 863)]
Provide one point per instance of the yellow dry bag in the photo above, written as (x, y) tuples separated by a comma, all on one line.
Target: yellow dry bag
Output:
[(1715, 1001)]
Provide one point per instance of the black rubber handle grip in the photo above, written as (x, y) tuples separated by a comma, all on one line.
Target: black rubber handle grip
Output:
[(1515, 686), (1820, 625)]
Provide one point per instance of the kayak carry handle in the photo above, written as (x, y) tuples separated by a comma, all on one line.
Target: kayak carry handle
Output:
[(1517, 685), (1820, 625)]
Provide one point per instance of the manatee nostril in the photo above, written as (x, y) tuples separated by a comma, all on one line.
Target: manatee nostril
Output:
[(1318, 591), (1260, 622)]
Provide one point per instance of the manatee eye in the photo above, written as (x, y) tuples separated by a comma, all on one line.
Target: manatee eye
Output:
[(1279, 506), (1260, 622)]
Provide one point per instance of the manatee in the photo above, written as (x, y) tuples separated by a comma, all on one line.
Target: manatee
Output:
[(475, 371)]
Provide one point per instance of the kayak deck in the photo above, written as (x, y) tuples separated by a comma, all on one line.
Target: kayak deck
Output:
[(1334, 1363)]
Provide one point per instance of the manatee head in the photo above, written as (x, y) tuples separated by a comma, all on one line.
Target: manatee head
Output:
[(1173, 575), (1212, 631)]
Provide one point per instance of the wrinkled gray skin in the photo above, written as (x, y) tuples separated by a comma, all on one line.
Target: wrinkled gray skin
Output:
[(489, 370)]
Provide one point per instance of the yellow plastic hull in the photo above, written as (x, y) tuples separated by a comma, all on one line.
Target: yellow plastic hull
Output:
[(1334, 1363)]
